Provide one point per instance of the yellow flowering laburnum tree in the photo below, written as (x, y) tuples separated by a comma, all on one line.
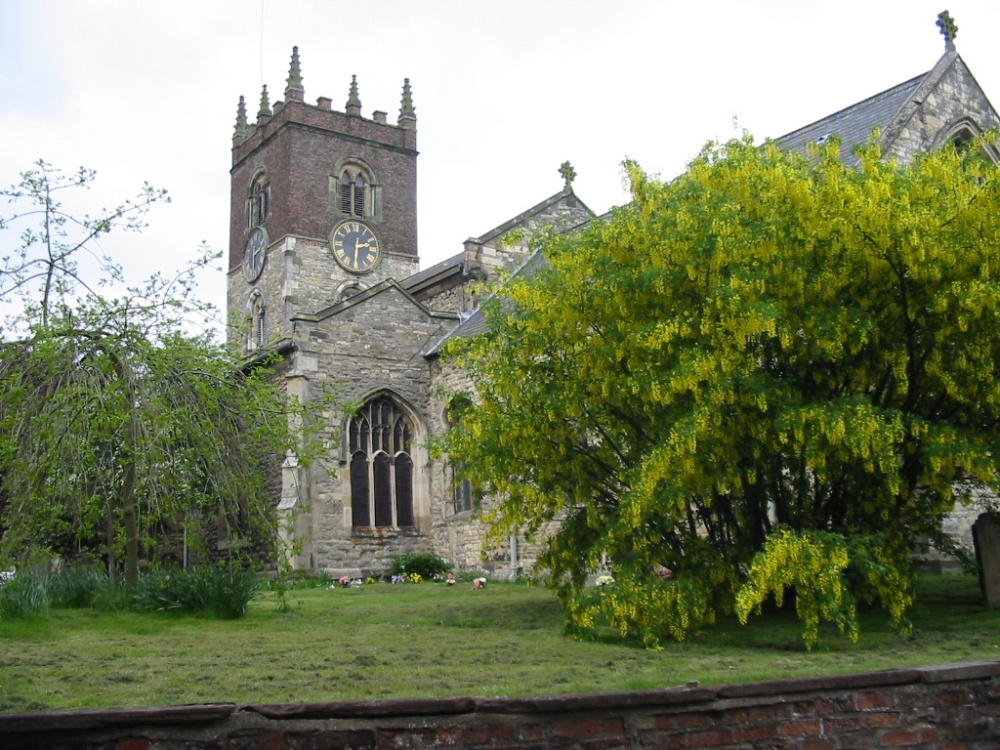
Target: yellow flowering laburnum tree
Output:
[(768, 374)]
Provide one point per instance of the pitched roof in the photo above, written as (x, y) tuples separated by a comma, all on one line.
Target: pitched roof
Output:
[(367, 294), (473, 323), (891, 110), (440, 277), (854, 124), (566, 194)]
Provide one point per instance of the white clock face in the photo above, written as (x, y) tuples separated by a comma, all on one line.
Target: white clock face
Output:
[(254, 254), (355, 246)]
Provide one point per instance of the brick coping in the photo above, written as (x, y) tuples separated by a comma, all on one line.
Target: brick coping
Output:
[(206, 714)]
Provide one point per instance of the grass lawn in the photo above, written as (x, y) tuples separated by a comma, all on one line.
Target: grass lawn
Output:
[(383, 641)]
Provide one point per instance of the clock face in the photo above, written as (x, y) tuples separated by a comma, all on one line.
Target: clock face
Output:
[(355, 246), (254, 254)]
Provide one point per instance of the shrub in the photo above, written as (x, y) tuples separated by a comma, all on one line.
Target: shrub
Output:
[(76, 588), (23, 597), (216, 592), (426, 566)]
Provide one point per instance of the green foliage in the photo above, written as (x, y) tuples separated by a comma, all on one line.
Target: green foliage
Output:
[(771, 341), (425, 566), (387, 642), (122, 419), (24, 597), (215, 591), (77, 587), (817, 566)]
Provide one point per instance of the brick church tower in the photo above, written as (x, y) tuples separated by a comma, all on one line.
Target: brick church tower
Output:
[(323, 226), (323, 205)]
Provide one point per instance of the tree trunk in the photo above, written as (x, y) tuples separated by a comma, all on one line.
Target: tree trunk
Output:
[(129, 516)]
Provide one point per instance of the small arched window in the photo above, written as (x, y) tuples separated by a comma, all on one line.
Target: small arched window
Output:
[(461, 488), (962, 135), (257, 322), (258, 201), (354, 190), (962, 140), (353, 193), (381, 466)]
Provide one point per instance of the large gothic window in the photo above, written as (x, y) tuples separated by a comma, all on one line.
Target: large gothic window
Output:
[(381, 467)]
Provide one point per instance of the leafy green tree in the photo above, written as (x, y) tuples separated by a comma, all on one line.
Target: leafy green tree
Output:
[(767, 375), (116, 420)]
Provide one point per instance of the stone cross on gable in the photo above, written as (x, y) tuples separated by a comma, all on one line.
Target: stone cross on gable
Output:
[(568, 173), (948, 29)]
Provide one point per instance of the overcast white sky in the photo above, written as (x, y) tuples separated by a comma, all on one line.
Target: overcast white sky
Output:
[(505, 91)]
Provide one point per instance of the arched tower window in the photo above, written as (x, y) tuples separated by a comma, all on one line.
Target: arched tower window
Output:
[(352, 194), (258, 200), (257, 321), (381, 465), (354, 191)]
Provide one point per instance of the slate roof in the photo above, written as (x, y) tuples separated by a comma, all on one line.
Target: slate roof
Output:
[(476, 322), (444, 267), (855, 123)]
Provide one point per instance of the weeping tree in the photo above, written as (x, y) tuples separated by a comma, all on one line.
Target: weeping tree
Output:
[(117, 416), (769, 375)]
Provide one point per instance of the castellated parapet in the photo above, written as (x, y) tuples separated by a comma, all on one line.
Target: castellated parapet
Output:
[(297, 146)]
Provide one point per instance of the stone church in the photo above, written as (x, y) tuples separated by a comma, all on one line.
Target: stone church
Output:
[(324, 266)]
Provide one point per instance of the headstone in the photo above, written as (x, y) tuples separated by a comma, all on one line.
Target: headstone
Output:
[(986, 535)]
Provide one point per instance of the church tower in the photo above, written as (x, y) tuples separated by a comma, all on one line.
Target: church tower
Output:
[(323, 226), (323, 205)]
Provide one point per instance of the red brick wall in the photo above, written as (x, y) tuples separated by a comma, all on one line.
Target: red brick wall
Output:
[(298, 147), (951, 707)]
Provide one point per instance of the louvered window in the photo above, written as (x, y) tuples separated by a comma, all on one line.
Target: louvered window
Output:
[(352, 194), (258, 201)]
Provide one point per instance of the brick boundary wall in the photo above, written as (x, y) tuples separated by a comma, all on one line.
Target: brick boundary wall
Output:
[(948, 707)]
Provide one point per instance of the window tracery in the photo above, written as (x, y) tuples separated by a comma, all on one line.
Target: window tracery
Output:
[(381, 465), (354, 192)]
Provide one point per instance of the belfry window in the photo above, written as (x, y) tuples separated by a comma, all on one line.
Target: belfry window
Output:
[(354, 190), (258, 201), (353, 193), (381, 466)]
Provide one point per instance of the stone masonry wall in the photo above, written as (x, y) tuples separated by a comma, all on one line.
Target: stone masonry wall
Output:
[(361, 350), (956, 97), (951, 707)]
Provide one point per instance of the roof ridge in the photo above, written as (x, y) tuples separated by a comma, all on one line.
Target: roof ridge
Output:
[(537, 208)]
